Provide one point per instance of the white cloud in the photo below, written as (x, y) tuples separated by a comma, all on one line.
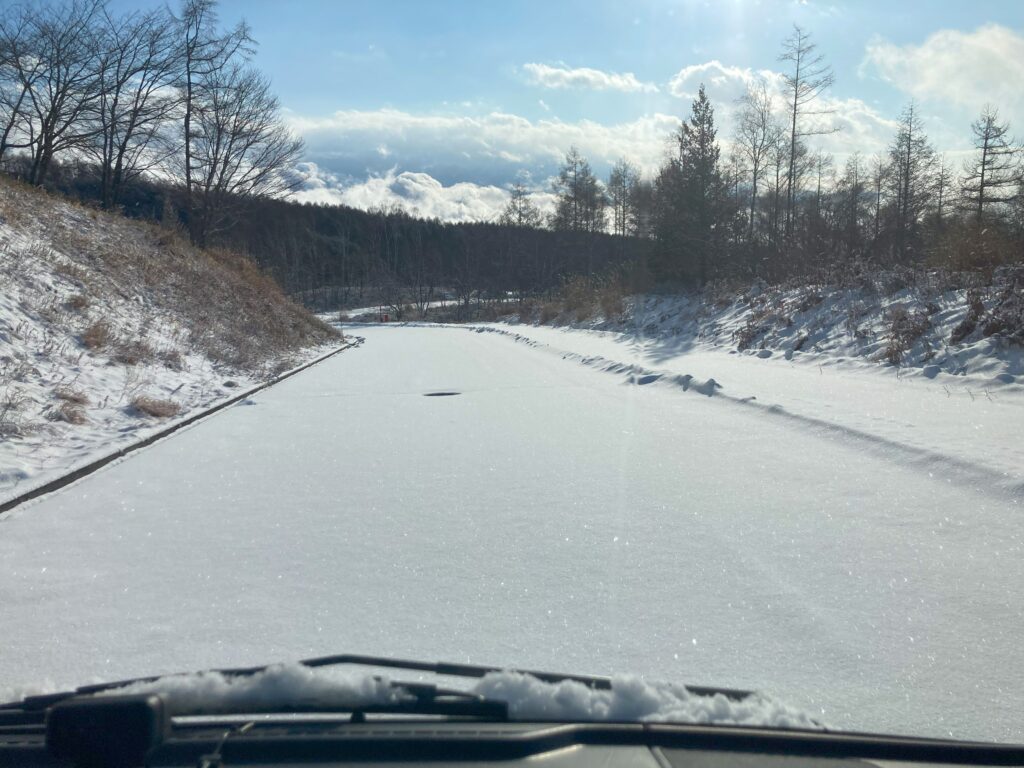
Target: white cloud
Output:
[(726, 82), (417, 193), (965, 69), (861, 127), (486, 149), (562, 76)]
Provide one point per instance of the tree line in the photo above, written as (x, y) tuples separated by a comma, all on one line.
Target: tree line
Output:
[(776, 207), (162, 115)]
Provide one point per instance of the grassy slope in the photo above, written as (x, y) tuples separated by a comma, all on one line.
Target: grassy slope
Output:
[(107, 324)]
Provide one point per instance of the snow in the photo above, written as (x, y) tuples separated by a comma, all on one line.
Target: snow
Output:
[(961, 426), (552, 516), (630, 698), (55, 285), (279, 686)]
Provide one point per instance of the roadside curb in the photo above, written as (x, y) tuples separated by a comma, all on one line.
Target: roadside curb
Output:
[(87, 469)]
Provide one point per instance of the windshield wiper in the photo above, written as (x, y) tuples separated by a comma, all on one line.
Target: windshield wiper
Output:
[(428, 693)]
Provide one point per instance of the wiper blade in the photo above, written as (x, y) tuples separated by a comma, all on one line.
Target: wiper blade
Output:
[(438, 668)]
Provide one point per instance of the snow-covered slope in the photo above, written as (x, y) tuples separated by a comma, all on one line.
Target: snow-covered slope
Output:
[(933, 374), (923, 323), (109, 327)]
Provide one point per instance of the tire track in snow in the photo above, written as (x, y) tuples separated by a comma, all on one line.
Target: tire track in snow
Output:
[(956, 470)]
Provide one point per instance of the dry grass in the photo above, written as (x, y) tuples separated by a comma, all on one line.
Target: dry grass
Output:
[(78, 302), (172, 359), (72, 272), (71, 395), (549, 310), (152, 406), (68, 412), (12, 400), (904, 329), (97, 335), (132, 352), (228, 309)]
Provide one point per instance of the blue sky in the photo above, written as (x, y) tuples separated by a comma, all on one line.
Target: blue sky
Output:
[(440, 106)]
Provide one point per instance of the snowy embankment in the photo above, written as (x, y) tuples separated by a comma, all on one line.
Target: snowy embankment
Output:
[(110, 330), (956, 410)]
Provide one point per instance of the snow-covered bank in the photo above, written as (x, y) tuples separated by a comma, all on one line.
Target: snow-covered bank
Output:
[(925, 323), (111, 329), (962, 427)]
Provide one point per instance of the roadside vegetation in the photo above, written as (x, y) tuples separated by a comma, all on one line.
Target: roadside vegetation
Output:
[(106, 323)]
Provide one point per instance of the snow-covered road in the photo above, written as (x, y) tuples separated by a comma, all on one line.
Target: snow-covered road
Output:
[(546, 516)]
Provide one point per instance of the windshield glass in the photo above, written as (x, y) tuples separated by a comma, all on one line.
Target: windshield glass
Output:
[(678, 343)]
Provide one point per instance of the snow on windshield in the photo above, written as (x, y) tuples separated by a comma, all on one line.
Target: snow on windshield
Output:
[(629, 699), (632, 698), (276, 687)]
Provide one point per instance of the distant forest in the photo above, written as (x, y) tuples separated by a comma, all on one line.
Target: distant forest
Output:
[(163, 116)]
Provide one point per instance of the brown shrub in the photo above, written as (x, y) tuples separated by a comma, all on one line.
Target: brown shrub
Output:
[(152, 406), (171, 358), (904, 329), (70, 395), (132, 352), (78, 302), (71, 272), (584, 312), (67, 412), (975, 309), (549, 310), (11, 402), (758, 323), (612, 306), (97, 335), (526, 311)]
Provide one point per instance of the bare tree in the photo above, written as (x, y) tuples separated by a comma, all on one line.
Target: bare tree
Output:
[(641, 208), (943, 181), (623, 177), (911, 180), (757, 133), (993, 175), (521, 211), (205, 52), (879, 176), (809, 76), (66, 87), (240, 147), (137, 68), (850, 193), (581, 198), (20, 68)]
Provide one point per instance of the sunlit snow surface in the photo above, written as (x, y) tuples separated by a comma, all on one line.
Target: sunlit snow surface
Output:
[(554, 516), (629, 699)]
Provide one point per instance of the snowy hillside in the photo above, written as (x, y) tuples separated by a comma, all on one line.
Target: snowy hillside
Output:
[(933, 376), (921, 323), (109, 328)]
